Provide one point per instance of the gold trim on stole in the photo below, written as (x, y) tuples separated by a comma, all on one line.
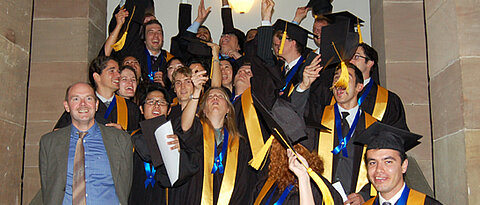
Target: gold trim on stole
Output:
[(380, 103), (122, 112), (325, 146), (228, 182), (266, 187), (254, 131), (416, 197)]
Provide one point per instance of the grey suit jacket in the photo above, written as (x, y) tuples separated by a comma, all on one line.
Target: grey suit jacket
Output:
[(53, 156)]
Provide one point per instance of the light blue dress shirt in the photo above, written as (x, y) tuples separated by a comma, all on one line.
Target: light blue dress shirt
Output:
[(100, 188)]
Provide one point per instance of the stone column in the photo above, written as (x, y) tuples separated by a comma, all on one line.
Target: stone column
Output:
[(398, 34), (15, 32), (453, 28), (66, 35)]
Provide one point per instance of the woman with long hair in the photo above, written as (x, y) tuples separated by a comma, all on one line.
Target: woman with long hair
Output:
[(224, 176)]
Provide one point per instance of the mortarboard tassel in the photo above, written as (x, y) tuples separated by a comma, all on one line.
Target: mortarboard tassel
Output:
[(121, 42), (284, 37), (360, 39), (258, 159), (326, 194), (344, 77)]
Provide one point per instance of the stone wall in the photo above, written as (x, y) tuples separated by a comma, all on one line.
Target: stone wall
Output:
[(453, 51), (15, 32), (66, 35), (398, 34)]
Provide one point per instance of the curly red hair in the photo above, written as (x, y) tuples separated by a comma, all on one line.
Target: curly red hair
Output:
[(278, 167)]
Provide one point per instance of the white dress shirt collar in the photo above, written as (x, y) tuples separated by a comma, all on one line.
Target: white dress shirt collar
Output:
[(394, 199)]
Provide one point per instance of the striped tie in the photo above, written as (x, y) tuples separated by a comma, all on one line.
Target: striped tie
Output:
[(78, 187)]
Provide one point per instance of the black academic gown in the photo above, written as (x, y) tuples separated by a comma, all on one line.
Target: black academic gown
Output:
[(293, 198), (344, 169), (428, 201), (191, 192), (140, 194), (321, 96), (265, 39), (134, 43), (133, 116)]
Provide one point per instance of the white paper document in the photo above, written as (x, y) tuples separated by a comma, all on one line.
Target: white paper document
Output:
[(338, 186), (171, 158)]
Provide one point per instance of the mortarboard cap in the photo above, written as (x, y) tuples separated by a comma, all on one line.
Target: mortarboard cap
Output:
[(320, 7), (333, 17), (294, 31), (346, 42), (283, 122), (382, 136)]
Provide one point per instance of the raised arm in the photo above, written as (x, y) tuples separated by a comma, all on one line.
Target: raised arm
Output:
[(113, 37), (300, 14), (216, 72), (188, 115), (304, 187)]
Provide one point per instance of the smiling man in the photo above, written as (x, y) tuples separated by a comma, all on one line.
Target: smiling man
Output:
[(85, 162), (113, 110), (345, 119), (387, 164)]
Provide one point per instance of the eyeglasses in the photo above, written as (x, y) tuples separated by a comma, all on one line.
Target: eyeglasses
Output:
[(156, 102), (358, 56)]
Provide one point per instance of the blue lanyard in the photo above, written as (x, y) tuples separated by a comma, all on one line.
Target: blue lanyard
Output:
[(403, 198), (217, 163), (110, 107), (150, 171), (284, 195), (342, 142), (271, 195), (233, 98), (151, 73), (292, 73), (367, 90)]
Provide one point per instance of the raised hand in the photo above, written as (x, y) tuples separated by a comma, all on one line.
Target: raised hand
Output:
[(311, 73), (300, 14), (215, 48), (199, 79), (295, 166), (120, 16), (267, 10), (202, 12)]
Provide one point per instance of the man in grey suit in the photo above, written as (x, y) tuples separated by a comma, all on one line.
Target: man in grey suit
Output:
[(105, 168)]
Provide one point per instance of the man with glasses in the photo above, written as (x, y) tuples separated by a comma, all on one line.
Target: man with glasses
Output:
[(383, 104), (150, 179)]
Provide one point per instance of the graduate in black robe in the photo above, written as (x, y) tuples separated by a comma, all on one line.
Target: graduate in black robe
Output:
[(229, 163), (150, 178), (387, 164)]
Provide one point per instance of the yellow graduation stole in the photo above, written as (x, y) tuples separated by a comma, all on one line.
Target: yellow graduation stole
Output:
[(325, 147), (133, 133), (268, 184), (122, 112), (380, 103), (228, 182), (174, 102), (414, 198), (255, 137)]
